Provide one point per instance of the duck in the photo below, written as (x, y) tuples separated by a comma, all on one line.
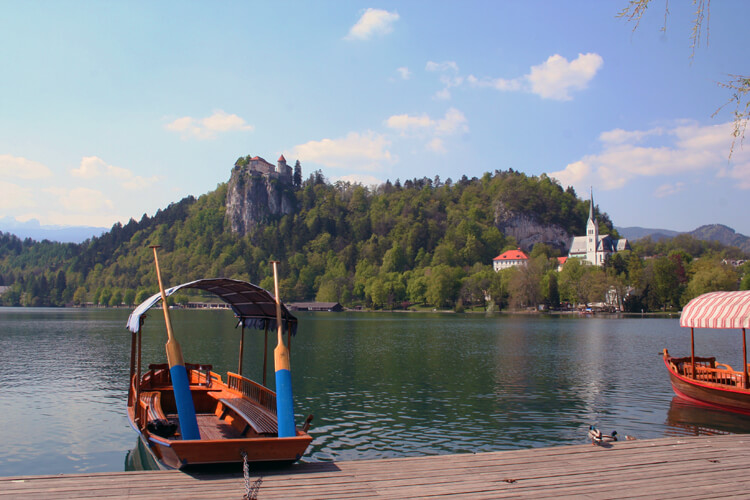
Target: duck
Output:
[(597, 438)]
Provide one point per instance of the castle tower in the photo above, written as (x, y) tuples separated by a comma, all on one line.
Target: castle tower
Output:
[(282, 168), (592, 236)]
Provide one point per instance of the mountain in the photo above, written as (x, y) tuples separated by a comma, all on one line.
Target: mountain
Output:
[(34, 230), (723, 234), (710, 232), (636, 233)]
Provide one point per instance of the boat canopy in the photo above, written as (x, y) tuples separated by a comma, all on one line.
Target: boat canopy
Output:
[(254, 306), (718, 310)]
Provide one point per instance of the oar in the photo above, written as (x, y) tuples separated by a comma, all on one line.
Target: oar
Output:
[(180, 382), (284, 402)]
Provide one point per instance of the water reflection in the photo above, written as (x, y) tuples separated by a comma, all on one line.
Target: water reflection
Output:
[(379, 385), (689, 419)]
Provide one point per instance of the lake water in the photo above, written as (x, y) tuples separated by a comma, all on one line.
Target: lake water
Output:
[(379, 384)]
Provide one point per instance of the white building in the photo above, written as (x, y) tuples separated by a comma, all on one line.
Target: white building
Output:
[(594, 248), (509, 259)]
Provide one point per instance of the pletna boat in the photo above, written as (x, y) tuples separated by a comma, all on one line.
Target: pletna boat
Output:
[(703, 380), (236, 418)]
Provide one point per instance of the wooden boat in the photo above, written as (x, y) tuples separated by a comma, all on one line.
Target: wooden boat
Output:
[(236, 417), (701, 379)]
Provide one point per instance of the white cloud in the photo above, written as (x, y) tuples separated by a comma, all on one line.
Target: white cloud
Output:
[(436, 145), (556, 77), (442, 66), (210, 126), (93, 167), (21, 168), (682, 150), (454, 122), (443, 95), (500, 84), (620, 136), (368, 151), (364, 179), (448, 78), (669, 189), (81, 200), (404, 72), (373, 22), (15, 196), (405, 122)]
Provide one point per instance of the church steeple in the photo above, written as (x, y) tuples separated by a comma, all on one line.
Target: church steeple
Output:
[(592, 236)]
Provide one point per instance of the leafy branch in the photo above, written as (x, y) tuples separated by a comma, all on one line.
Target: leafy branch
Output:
[(739, 85)]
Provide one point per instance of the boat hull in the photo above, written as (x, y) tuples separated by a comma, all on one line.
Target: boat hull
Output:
[(179, 454), (709, 394)]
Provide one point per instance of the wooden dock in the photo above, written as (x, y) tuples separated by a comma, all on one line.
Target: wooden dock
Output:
[(683, 467)]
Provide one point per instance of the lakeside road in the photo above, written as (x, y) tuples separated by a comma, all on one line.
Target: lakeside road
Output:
[(684, 467)]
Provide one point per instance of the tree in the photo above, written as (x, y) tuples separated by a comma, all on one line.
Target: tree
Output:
[(79, 297), (129, 297), (738, 85), (709, 276), (297, 176), (525, 284)]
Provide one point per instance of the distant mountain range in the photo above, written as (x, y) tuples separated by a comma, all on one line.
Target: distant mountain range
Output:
[(710, 232), (34, 230)]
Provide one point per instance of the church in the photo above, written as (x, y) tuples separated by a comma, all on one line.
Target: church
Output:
[(594, 248)]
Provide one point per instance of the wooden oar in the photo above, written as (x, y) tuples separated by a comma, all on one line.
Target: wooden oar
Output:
[(284, 402), (180, 382)]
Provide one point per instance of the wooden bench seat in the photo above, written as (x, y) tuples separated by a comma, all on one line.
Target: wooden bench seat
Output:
[(261, 420), (152, 401)]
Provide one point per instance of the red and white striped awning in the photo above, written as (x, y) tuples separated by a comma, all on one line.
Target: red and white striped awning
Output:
[(718, 310)]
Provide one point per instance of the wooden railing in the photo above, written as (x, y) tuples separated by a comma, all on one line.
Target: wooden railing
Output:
[(708, 370), (261, 395)]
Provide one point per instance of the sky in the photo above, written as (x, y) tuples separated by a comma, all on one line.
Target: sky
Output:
[(112, 110)]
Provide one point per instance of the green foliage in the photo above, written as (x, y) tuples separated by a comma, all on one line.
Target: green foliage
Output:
[(421, 243)]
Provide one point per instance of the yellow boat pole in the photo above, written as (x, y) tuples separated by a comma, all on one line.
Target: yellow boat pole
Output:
[(284, 400), (180, 383)]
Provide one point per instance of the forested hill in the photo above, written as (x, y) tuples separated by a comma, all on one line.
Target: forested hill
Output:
[(337, 237)]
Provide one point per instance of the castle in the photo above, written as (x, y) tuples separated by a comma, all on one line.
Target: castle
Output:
[(594, 248), (259, 166)]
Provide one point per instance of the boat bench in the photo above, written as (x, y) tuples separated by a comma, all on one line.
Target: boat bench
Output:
[(261, 420), (152, 401)]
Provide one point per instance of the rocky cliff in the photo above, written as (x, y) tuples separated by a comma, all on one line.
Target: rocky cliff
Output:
[(528, 231), (253, 197)]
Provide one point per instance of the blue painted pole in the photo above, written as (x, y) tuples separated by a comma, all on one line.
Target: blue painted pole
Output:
[(180, 382), (284, 400)]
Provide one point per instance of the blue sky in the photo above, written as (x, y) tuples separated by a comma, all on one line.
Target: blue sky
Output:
[(110, 110)]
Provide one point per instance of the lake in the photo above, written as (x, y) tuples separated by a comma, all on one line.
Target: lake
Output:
[(379, 384)]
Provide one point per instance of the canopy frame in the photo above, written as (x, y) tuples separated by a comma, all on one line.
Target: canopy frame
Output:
[(718, 310), (251, 304)]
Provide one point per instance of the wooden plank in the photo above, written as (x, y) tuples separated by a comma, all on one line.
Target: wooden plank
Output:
[(692, 467)]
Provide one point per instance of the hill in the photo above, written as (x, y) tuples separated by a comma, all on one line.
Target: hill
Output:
[(331, 239), (424, 241), (711, 232)]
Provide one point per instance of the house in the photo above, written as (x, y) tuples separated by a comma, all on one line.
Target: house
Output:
[(594, 248), (510, 258)]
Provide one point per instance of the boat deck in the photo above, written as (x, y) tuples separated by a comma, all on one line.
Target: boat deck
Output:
[(684, 467), (211, 427)]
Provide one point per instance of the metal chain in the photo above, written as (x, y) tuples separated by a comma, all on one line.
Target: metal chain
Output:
[(246, 474), (251, 492)]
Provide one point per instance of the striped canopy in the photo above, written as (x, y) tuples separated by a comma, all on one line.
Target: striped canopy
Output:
[(718, 310), (254, 306)]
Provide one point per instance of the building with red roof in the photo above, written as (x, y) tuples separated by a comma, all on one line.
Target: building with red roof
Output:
[(510, 258)]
